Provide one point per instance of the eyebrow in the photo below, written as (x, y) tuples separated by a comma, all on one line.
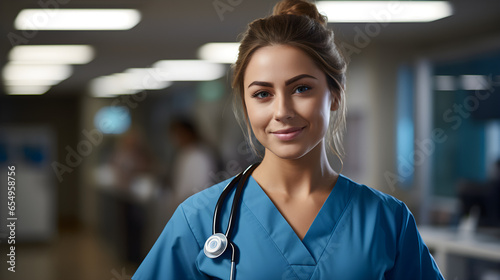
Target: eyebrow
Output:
[(287, 82)]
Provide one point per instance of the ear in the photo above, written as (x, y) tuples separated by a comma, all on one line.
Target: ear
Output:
[(335, 102)]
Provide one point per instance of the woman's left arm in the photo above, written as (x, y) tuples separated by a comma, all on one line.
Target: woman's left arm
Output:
[(413, 259)]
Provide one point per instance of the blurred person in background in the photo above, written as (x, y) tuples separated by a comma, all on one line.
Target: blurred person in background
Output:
[(132, 165), (194, 161), (131, 159)]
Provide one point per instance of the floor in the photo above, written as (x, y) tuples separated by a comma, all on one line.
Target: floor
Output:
[(76, 254)]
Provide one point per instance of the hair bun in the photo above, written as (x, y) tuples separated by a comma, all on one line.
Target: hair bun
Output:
[(299, 8)]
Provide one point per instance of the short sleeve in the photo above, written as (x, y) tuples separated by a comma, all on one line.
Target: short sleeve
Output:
[(413, 259), (173, 256)]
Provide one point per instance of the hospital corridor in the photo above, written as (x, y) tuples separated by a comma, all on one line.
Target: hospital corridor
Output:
[(117, 117)]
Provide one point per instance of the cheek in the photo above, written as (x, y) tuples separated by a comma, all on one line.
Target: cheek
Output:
[(258, 121), (256, 116), (317, 110), (318, 114)]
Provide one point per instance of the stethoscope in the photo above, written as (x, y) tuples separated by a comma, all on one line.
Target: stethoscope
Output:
[(218, 242)]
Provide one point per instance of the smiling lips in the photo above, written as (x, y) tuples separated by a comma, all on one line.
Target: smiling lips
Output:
[(288, 134)]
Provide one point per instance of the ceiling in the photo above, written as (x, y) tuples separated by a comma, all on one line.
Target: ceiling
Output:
[(176, 29)]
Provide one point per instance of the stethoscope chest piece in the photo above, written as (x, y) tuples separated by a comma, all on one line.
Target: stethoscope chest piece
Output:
[(215, 245)]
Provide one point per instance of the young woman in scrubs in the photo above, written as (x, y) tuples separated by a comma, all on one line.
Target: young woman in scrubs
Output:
[(298, 218)]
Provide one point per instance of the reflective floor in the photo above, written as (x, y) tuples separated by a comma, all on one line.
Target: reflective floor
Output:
[(76, 254)]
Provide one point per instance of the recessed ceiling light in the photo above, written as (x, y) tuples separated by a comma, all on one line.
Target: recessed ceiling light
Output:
[(219, 52), (77, 19), (190, 70), (52, 54), (384, 11)]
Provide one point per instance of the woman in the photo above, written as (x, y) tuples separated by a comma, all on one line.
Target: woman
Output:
[(297, 218)]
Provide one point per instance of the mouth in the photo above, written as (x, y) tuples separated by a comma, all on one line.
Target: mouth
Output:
[(288, 134)]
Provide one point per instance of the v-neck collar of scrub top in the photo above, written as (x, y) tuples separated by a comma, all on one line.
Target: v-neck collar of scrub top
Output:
[(306, 252)]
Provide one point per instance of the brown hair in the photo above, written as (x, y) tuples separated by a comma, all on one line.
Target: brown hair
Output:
[(296, 23)]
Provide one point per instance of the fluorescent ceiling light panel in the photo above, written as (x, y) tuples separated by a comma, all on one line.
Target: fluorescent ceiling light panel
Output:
[(100, 87), (52, 54), (445, 83), (31, 82), (109, 86), (77, 19), (219, 52), (474, 82), (29, 72), (130, 81), (145, 78), (384, 11), (190, 70), (27, 90)]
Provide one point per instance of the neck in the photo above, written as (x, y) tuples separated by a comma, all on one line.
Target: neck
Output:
[(301, 176)]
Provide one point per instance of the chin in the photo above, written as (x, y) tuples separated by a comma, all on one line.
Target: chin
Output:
[(289, 153)]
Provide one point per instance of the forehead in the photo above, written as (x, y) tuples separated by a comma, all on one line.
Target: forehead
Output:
[(279, 63)]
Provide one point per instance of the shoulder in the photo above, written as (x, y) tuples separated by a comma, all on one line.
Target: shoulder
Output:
[(388, 212), (205, 199), (368, 196), (198, 210)]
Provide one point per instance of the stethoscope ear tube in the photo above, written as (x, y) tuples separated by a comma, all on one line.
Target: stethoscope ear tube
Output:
[(237, 196), (239, 179), (220, 201), (217, 243)]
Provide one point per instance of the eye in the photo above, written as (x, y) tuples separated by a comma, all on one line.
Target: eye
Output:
[(301, 89), (261, 94)]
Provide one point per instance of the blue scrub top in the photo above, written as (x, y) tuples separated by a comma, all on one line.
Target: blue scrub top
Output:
[(359, 234)]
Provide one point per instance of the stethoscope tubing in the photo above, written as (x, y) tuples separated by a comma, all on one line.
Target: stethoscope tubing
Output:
[(240, 179)]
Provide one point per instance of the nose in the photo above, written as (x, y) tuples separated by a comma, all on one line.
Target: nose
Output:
[(283, 107)]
